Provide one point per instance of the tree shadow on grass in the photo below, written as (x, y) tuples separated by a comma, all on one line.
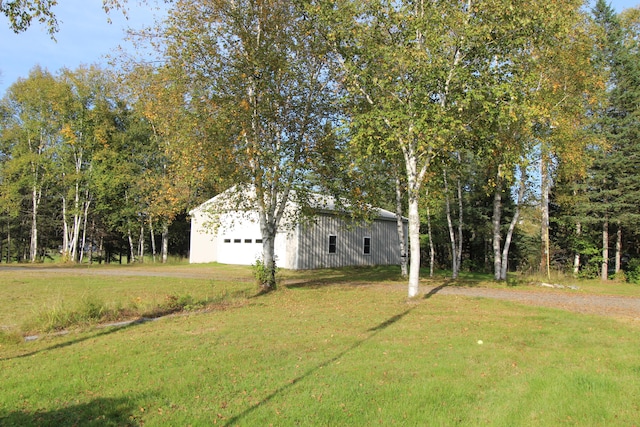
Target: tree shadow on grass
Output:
[(313, 279), (98, 412), (106, 331), (435, 290), (374, 331)]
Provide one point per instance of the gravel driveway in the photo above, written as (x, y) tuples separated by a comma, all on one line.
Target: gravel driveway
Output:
[(604, 305)]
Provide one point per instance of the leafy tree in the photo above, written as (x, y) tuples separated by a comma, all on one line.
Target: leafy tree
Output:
[(176, 168), (21, 13), (415, 66), (259, 73), (33, 122)]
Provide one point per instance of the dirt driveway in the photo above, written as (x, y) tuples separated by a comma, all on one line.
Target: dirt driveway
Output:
[(603, 305)]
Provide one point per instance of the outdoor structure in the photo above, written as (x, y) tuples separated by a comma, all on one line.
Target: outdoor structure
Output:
[(322, 240)]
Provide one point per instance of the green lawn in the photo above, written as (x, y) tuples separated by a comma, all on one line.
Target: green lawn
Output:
[(337, 347)]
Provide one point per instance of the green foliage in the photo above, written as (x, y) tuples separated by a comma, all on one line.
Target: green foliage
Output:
[(632, 271), (59, 316), (264, 277)]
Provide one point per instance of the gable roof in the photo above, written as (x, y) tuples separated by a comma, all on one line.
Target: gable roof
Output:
[(241, 200)]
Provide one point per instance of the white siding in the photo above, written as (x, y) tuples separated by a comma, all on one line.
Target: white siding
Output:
[(303, 246), (203, 246), (237, 240)]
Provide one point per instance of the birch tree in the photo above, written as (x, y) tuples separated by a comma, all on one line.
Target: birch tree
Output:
[(259, 73), (415, 66), (33, 122)]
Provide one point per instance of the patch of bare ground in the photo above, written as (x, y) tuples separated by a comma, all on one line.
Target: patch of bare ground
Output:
[(602, 305)]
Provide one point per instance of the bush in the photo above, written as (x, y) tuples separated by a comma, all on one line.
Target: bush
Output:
[(633, 271), (262, 274)]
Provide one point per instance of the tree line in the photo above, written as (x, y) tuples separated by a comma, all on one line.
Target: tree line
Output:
[(507, 132)]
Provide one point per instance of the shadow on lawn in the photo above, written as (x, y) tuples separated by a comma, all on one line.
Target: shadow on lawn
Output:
[(313, 279), (98, 412), (107, 331), (435, 290), (374, 331)]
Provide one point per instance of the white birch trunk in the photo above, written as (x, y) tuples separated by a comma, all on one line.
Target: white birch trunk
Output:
[(414, 181), (432, 251), (33, 246), (604, 272), (153, 242), (514, 221), (76, 224), (460, 218), (165, 243), (545, 268), (618, 249), (452, 235), (400, 227), (141, 245), (132, 252), (65, 231), (576, 256), (85, 216), (414, 245), (495, 222)]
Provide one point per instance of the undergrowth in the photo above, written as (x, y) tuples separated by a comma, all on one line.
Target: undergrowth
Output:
[(92, 310)]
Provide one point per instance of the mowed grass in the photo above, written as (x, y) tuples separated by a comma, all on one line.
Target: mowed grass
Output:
[(333, 348)]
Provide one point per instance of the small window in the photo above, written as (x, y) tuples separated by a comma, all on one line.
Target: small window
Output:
[(332, 244), (247, 240), (227, 240), (366, 246), (258, 240), (237, 240)]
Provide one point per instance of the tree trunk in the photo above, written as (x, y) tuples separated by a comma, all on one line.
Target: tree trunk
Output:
[(452, 235), (604, 272), (460, 217), (512, 226), (414, 244), (432, 252), (414, 181), (8, 241), (132, 253), (400, 227), (576, 256), (153, 242), (141, 245), (495, 222), (65, 231), (76, 224), (544, 206), (618, 249), (268, 257), (33, 246), (165, 242), (85, 216)]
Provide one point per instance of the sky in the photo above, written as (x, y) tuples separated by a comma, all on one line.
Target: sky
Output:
[(85, 37)]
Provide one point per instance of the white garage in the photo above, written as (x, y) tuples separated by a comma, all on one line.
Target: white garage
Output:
[(326, 240)]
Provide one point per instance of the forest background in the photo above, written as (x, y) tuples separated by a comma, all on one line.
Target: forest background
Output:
[(507, 133)]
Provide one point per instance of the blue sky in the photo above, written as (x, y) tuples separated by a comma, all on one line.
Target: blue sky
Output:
[(85, 37)]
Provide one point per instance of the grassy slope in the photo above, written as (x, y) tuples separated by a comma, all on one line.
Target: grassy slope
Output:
[(322, 354)]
